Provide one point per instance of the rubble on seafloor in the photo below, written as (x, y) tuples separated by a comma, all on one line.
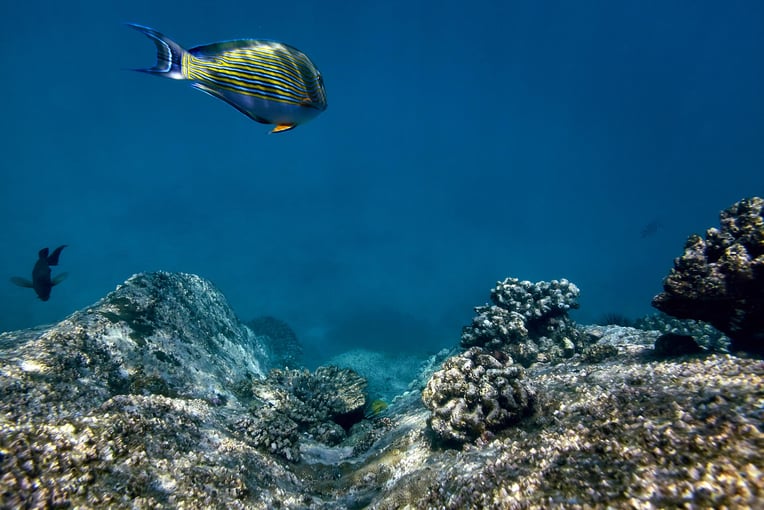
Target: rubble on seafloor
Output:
[(158, 397)]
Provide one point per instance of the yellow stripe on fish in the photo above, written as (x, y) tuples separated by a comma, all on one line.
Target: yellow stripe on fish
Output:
[(260, 81), (270, 82)]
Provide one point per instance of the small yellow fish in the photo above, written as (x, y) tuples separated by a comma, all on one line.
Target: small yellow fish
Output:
[(375, 408)]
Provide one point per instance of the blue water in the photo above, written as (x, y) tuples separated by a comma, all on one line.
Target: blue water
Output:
[(464, 142)]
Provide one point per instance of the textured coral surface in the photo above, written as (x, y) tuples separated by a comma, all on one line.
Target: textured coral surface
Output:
[(720, 279), (92, 416), (528, 320), (474, 393)]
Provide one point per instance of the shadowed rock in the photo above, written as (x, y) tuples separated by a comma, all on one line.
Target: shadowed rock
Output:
[(720, 279)]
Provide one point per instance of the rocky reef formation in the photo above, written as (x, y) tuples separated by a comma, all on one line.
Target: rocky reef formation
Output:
[(720, 279), (475, 394), (157, 395), (529, 321), (96, 414), (632, 432), (281, 342)]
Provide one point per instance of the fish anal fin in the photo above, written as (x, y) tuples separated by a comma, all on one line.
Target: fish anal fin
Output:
[(21, 282), (217, 94), (280, 128), (59, 278)]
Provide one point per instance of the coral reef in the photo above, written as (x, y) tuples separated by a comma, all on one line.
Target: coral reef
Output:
[(323, 404), (81, 426), (627, 435), (284, 349), (475, 393), (720, 279), (528, 320)]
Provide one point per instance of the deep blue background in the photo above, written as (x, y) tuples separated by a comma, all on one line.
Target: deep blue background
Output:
[(464, 142)]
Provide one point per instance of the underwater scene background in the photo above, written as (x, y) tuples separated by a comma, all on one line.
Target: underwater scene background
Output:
[(464, 142)]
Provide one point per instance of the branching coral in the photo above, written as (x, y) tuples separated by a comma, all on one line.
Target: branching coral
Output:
[(528, 320)]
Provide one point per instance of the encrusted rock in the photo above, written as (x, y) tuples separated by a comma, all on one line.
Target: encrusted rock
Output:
[(528, 320), (80, 429), (271, 430), (328, 393), (323, 404), (284, 349), (474, 393), (705, 334), (720, 279), (597, 353)]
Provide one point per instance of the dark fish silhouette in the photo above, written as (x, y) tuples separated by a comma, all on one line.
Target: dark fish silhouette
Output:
[(650, 229), (41, 281)]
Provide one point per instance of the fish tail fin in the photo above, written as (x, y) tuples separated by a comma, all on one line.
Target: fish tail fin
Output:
[(169, 54)]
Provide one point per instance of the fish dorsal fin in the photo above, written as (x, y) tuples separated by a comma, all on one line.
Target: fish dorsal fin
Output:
[(21, 282), (214, 49), (59, 278)]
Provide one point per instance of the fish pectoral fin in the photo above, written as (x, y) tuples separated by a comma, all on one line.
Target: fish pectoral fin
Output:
[(280, 128), (21, 282), (59, 278)]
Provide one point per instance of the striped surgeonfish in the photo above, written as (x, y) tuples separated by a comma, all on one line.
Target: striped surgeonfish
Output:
[(268, 81)]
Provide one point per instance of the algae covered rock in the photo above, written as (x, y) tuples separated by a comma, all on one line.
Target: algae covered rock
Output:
[(92, 418), (129, 402), (175, 334), (720, 279), (528, 320), (475, 393)]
